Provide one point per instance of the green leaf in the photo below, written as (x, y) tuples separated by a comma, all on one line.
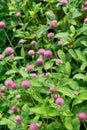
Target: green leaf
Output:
[(80, 55), (63, 35), (48, 65), (3, 121), (55, 126), (67, 68), (22, 52), (61, 55), (68, 123), (80, 76), (83, 66), (72, 53), (76, 124)]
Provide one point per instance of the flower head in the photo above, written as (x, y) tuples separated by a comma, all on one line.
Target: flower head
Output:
[(48, 54), (9, 50), (53, 24), (82, 116), (26, 84), (50, 35), (59, 101), (34, 126), (2, 24)]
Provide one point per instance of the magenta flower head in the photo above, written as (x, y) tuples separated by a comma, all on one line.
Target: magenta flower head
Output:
[(85, 3), (82, 116), (8, 83), (26, 84), (50, 35), (1, 95), (56, 96), (85, 20), (9, 50), (18, 119), (2, 24), (14, 85), (21, 41), (30, 68), (53, 24), (64, 2), (34, 126), (40, 61), (48, 54), (41, 51), (60, 42), (41, 75), (31, 52), (85, 8), (60, 101), (3, 88), (18, 96), (1, 57), (33, 75), (52, 89), (59, 61), (70, 46), (33, 42), (18, 14), (76, 92)]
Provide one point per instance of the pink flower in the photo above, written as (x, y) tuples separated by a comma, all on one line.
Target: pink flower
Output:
[(10, 57), (1, 57), (59, 61), (33, 75), (53, 24), (40, 61), (50, 35), (26, 84), (3, 88), (1, 95), (34, 126), (41, 51), (8, 83), (41, 75), (30, 68), (60, 42), (9, 50), (85, 8), (33, 42), (59, 101), (85, 20), (18, 119), (18, 96), (47, 74), (76, 92), (56, 96), (85, 3), (31, 52), (52, 89), (48, 54), (70, 46), (14, 85), (18, 14), (82, 116), (64, 2), (2, 24), (0, 116), (22, 41)]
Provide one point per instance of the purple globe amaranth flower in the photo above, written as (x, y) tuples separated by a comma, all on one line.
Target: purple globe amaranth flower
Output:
[(56, 96), (18, 14), (70, 46), (18, 119), (14, 85), (33, 42), (41, 75), (33, 75), (41, 51), (50, 35), (60, 101), (60, 42), (9, 50), (47, 74), (82, 116), (31, 52), (53, 24), (40, 61), (3, 88), (8, 83), (30, 68), (76, 92), (2, 24), (52, 89), (34, 126), (85, 8), (64, 2), (1, 95), (18, 96), (85, 3), (85, 20), (1, 57), (26, 84), (48, 54), (22, 41), (59, 61)]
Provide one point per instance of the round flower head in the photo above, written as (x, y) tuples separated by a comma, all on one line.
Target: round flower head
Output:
[(56, 96), (34, 126), (8, 83), (85, 20), (1, 57), (52, 89), (41, 51), (40, 61), (59, 61), (85, 3), (48, 54), (82, 116), (50, 35), (60, 42), (22, 41), (53, 24), (41, 75), (14, 85), (33, 75), (2, 24), (18, 119), (33, 42), (25, 84), (59, 101), (31, 52), (85, 8), (1, 95), (18, 14), (9, 50), (18, 96), (76, 92), (64, 2), (30, 68), (70, 46), (3, 88)]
